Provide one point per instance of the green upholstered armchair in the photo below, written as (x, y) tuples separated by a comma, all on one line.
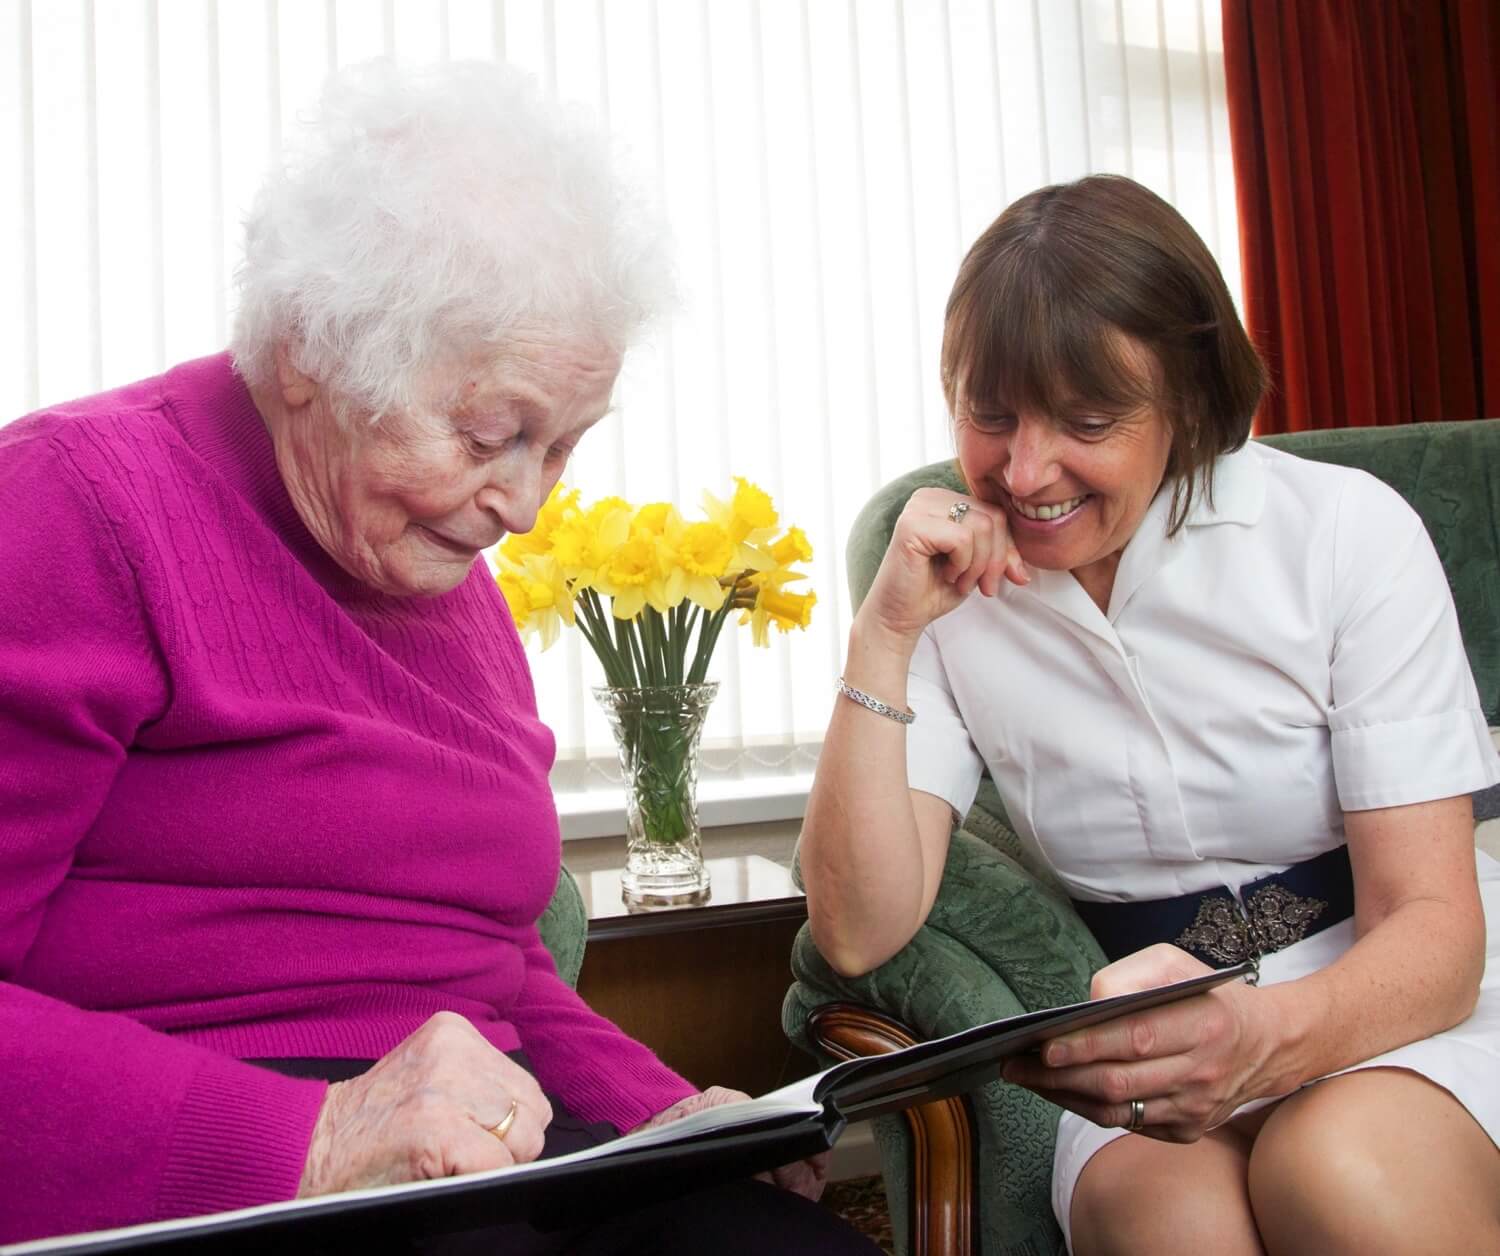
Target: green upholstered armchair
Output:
[(974, 1174), (564, 927)]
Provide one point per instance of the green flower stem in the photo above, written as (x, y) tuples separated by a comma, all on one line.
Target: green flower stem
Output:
[(630, 643), (617, 664), (651, 651), (654, 629), (597, 636), (658, 748), (708, 633), (641, 632), (682, 630)]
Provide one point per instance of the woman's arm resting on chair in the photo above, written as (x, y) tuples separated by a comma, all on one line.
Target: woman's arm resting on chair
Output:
[(872, 849)]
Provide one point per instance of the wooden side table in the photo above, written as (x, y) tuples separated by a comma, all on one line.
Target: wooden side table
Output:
[(701, 986)]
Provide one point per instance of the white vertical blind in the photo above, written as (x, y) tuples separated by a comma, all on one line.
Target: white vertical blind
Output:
[(824, 164)]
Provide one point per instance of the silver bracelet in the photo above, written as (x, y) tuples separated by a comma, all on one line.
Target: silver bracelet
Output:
[(875, 704)]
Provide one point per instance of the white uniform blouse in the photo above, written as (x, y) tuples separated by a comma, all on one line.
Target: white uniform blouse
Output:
[(1293, 653)]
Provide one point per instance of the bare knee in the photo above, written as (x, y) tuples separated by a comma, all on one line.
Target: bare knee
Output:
[(1310, 1182), (1356, 1163), (1138, 1195)]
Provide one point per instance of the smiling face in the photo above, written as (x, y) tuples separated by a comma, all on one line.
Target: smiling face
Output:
[(1074, 487), (1100, 352), (407, 504)]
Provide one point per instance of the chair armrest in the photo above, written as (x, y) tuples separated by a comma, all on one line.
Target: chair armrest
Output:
[(937, 1214), (996, 943)]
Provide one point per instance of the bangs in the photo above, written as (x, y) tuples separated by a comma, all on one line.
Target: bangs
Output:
[(1021, 337)]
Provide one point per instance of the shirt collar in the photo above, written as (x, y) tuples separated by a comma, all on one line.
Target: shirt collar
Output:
[(1239, 491)]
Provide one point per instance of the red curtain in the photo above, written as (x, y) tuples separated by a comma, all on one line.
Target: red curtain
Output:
[(1368, 169)]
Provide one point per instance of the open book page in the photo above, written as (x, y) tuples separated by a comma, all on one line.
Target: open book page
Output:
[(783, 1108), (789, 1102), (814, 1108)]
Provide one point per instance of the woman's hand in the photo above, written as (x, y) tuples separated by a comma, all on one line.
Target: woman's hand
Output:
[(805, 1177), (425, 1111), (935, 561), (1192, 1062)]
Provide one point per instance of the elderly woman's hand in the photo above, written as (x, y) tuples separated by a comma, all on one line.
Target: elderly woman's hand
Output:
[(942, 548), (426, 1110), (805, 1177), (1191, 1063)]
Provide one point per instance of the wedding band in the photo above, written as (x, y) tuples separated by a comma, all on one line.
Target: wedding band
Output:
[(1137, 1115), (958, 510), (502, 1128)]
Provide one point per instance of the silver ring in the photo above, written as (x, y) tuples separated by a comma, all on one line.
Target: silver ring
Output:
[(958, 510), (1137, 1115)]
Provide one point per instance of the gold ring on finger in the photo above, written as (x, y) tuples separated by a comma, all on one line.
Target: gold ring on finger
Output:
[(958, 510), (502, 1127)]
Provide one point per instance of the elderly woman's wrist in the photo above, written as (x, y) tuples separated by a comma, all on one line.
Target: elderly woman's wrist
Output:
[(314, 1179)]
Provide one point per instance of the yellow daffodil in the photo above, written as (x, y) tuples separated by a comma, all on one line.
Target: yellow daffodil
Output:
[(658, 518), (626, 573), (513, 590), (649, 563), (538, 595), (752, 504), (793, 547), (704, 552), (583, 542), (776, 606), (749, 518), (560, 502), (660, 523)]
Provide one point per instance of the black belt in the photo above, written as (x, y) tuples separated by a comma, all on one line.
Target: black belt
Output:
[(1219, 928)]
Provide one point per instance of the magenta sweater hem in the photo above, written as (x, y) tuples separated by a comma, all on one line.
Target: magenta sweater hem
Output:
[(241, 1139)]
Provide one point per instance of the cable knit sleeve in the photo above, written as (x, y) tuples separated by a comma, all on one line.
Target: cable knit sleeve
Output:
[(107, 1122), (600, 1072)]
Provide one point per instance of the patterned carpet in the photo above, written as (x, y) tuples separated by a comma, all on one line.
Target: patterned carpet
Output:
[(861, 1202)]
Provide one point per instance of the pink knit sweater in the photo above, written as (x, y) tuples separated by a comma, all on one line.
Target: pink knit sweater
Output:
[(248, 808)]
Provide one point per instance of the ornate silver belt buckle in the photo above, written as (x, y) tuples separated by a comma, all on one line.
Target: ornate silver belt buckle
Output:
[(1220, 931), (1270, 919)]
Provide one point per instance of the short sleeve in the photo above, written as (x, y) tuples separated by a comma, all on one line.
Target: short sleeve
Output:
[(940, 756), (1405, 720)]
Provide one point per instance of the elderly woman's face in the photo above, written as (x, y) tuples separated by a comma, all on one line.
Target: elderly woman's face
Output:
[(1074, 488), (407, 504)]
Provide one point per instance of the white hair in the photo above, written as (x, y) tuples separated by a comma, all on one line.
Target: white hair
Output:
[(422, 213)]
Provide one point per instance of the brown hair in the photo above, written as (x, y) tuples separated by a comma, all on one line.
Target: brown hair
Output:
[(1035, 318)]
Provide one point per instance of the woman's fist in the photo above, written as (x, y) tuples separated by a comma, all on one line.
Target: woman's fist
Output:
[(425, 1111), (943, 547)]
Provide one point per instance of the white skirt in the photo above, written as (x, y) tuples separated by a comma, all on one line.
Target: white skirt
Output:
[(1464, 1060)]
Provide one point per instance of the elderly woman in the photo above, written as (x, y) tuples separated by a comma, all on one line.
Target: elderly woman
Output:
[(275, 828), (1201, 672)]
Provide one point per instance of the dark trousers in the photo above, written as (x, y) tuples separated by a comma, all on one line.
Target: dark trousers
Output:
[(747, 1218)]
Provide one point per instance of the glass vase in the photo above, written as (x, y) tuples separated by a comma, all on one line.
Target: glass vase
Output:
[(657, 729)]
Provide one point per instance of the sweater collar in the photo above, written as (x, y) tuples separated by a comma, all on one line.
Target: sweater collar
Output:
[(212, 408)]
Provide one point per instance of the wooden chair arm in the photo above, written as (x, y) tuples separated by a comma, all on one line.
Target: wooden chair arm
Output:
[(944, 1220)]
